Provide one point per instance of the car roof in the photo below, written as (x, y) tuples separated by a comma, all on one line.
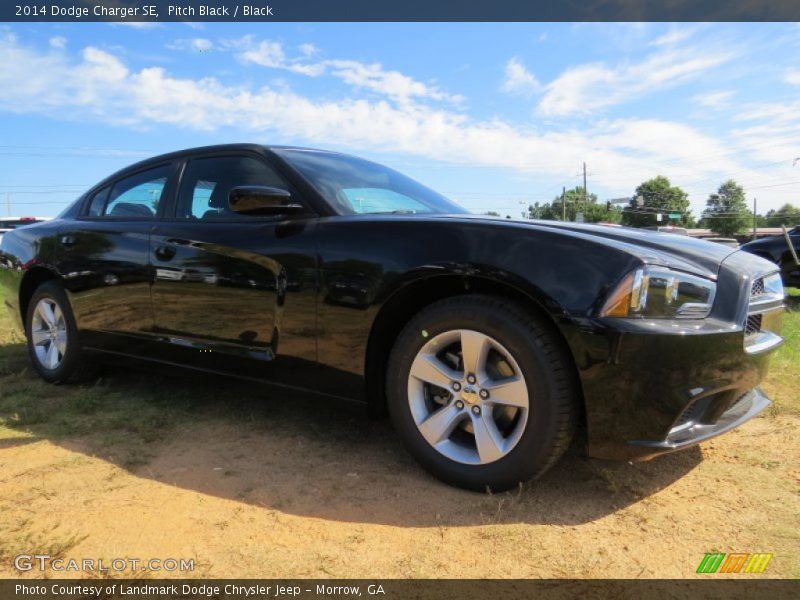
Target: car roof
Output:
[(216, 148), (237, 147)]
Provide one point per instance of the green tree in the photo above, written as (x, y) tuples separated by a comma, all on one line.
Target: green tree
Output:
[(726, 211), (574, 202), (492, 213), (788, 215), (540, 211), (658, 196)]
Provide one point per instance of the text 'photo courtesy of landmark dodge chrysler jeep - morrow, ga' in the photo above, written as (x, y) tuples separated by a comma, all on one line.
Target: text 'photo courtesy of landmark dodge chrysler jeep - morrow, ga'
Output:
[(490, 342)]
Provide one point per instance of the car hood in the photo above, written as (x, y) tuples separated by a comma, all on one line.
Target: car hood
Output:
[(765, 242), (679, 251)]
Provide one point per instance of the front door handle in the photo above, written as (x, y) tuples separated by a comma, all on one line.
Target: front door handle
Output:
[(68, 240), (165, 252)]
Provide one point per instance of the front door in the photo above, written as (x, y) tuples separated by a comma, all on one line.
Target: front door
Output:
[(231, 285)]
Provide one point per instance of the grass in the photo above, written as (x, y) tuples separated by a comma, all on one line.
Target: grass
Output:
[(20, 538), (784, 374)]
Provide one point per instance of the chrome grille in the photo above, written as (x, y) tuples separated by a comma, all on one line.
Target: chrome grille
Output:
[(757, 289), (753, 325), (763, 314)]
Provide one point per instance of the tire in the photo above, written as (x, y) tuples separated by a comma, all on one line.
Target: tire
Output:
[(522, 363), (57, 358)]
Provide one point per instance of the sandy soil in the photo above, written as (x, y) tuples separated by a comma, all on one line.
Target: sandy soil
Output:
[(316, 491)]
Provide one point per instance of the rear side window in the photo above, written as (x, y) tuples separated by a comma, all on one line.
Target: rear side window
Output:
[(138, 196), (207, 181)]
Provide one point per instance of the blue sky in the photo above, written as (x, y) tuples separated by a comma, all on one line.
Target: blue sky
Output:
[(496, 116)]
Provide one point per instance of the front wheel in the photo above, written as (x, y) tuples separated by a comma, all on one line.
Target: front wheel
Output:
[(52, 335), (481, 393)]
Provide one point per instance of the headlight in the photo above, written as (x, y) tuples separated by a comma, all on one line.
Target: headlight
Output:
[(660, 293), (773, 285)]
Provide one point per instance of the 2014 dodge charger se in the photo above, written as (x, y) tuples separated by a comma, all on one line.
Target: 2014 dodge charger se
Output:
[(488, 341)]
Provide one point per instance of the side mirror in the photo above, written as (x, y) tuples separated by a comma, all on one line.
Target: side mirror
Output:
[(261, 200)]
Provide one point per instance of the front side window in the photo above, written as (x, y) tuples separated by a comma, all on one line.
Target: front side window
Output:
[(138, 196), (98, 202), (356, 186), (207, 181)]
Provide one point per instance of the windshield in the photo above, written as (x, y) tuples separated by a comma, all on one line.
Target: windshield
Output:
[(355, 186)]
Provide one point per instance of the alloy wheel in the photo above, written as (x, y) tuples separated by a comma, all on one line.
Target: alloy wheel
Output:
[(49, 333), (468, 396)]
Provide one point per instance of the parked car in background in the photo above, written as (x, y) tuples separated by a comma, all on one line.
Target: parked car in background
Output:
[(490, 342), (776, 249), (9, 223), (669, 229), (732, 242)]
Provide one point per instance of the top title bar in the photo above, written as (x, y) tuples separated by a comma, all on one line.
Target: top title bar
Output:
[(399, 10)]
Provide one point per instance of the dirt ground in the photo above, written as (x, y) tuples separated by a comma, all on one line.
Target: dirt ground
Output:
[(250, 482)]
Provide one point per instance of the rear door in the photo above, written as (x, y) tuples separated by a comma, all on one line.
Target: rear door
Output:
[(228, 285), (103, 256)]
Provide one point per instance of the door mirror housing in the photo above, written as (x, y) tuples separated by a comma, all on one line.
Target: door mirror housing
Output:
[(261, 200)]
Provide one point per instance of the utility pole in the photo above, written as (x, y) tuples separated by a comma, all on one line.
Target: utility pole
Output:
[(8, 204), (564, 204), (584, 186), (755, 217)]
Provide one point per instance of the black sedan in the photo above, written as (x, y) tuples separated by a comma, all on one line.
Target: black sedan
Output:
[(490, 342), (776, 249)]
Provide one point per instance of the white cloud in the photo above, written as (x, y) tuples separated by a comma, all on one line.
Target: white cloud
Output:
[(271, 55), (792, 76), (774, 113), (672, 37), (368, 76), (518, 79), (265, 54), (194, 44), (151, 96), (394, 84), (202, 44), (98, 86), (308, 49), (595, 86), (714, 100), (58, 41)]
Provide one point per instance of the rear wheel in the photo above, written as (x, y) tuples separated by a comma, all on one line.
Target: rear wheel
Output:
[(52, 335), (481, 393)]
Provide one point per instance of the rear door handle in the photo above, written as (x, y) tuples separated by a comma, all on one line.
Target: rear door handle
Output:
[(67, 240), (165, 252)]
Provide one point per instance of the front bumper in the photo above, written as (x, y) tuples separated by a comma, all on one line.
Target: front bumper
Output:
[(653, 387), (659, 392), (690, 429)]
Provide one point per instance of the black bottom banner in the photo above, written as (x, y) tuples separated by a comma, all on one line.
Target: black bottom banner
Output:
[(395, 589)]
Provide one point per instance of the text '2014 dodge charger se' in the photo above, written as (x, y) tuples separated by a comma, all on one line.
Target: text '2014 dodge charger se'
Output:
[(488, 341)]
